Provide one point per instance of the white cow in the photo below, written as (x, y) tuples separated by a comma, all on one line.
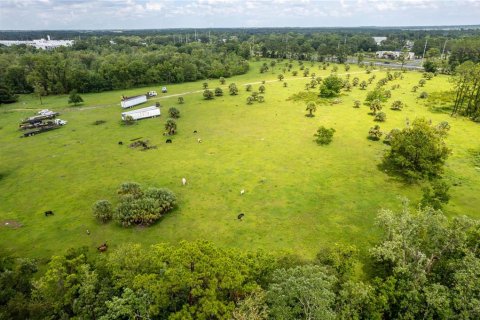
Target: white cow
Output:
[(184, 181), (242, 191)]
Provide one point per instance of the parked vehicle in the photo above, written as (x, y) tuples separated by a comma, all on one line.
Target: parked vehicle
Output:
[(152, 94), (41, 116), (52, 125)]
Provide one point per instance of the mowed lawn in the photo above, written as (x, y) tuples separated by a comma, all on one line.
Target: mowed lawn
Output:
[(299, 197)]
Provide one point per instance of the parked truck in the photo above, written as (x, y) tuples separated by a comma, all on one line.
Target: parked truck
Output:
[(128, 102), (148, 112), (41, 116)]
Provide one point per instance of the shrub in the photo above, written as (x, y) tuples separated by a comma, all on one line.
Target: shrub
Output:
[(414, 88), (377, 94), (261, 99), (174, 113), (205, 85), (375, 105), (218, 92), (356, 104), (222, 80), (294, 73), (374, 133), (261, 89), (208, 94), (250, 100), (181, 100), (388, 137), (232, 88), (285, 84), (102, 210), (422, 82), (380, 117), (248, 87), (280, 77), (324, 136), (418, 151), (99, 122), (423, 95), (130, 188), (435, 194), (144, 209), (128, 120), (397, 105), (331, 86)]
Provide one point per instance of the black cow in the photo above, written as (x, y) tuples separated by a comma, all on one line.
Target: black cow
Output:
[(168, 141), (240, 216), (195, 131), (49, 213), (120, 143)]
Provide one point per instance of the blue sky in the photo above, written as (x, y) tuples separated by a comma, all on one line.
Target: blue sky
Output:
[(148, 14)]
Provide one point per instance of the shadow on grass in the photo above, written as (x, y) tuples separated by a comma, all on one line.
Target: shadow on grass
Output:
[(394, 174)]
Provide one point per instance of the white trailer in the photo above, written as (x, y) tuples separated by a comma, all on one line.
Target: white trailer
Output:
[(129, 102), (148, 112)]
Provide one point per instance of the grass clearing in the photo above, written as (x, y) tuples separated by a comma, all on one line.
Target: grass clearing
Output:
[(299, 196)]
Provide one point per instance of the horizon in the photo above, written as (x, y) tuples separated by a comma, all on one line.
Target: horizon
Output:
[(39, 15)]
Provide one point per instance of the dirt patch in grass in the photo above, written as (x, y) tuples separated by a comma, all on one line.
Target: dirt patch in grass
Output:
[(12, 224)]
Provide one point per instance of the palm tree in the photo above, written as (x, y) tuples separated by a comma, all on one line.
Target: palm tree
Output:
[(171, 126), (311, 108)]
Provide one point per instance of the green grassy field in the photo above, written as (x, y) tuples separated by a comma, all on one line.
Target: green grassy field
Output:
[(299, 196)]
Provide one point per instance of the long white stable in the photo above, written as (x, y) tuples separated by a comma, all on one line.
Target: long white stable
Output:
[(133, 101), (148, 112)]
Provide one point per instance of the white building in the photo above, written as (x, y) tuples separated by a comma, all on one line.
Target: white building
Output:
[(378, 40), (394, 55), (45, 44)]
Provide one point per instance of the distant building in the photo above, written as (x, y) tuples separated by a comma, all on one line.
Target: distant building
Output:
[(394, 55), (378, 40), (45, 44)]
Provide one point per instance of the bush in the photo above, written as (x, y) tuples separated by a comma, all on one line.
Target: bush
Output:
[(418, 151), (435, 194), (181, 100), (331, 86), (128, 120), (324, 136), (174, 113), (377, 94), (380, 117), (397, 105), (103, 211), (218, 92), (375, 133), (144, 208), (423, 95), (130, 188), (356, 104), (208, 94)]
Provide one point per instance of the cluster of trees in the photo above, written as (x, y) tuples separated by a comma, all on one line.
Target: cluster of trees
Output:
[(467, 90), (425, 267), (107, 67), (136, 206)]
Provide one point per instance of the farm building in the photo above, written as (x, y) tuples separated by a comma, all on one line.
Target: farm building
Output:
[(148, 112), (128, 102)]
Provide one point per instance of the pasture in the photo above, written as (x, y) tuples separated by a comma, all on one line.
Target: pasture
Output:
[(299, 197)]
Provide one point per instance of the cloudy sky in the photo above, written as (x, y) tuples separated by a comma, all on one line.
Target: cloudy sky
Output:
[(146, 14)]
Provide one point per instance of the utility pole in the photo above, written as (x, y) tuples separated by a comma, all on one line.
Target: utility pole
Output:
[(443, 51), (424, 49)]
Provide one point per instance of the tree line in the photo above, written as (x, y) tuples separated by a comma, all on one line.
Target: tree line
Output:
[(424, 267), (92, 67)]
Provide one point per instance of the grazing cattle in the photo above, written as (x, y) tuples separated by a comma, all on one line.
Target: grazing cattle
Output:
[(240, 216), (199, 140), (120, 143), (184, 181), (103, 247), (242, 192), (49, 213), (168, 141), (88, 232), (194, 131)]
